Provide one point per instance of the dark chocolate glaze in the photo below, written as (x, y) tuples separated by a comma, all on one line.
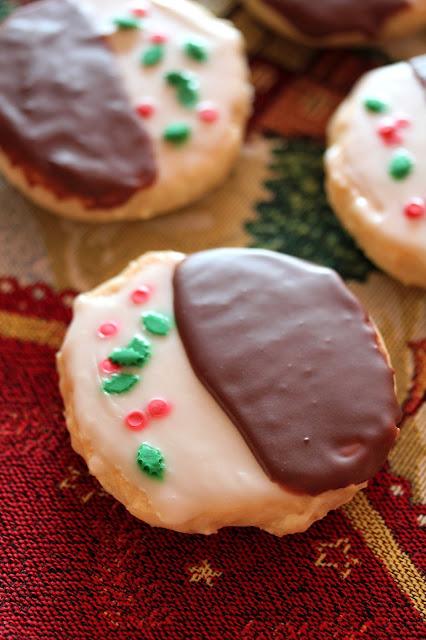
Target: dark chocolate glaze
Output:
[(291, 357), (419, 67), (65, 119), (320, 18)]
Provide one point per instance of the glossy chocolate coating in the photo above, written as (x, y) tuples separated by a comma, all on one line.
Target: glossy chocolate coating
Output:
[(290, 355), (65, 119), (321, 18)]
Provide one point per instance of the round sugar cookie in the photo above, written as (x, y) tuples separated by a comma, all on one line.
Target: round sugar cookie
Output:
[(376, 168), (116, 110), (340, 22), (230, 387)]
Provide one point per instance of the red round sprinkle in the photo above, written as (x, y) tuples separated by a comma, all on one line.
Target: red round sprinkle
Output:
[(402, 122), (159, 408), (416, 208), (140, 295), (136, 420), (139, 10), (107, 329), (388, 131), (158, 37), (106, 366), (145, 109), (208, 113)]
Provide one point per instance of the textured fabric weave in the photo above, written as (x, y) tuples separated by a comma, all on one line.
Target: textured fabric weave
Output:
[(75, 564)]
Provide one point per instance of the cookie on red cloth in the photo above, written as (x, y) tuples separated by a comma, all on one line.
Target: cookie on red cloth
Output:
[(230, 387)]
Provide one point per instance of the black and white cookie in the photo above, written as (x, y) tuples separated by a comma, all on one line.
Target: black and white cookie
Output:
[(230, 387)]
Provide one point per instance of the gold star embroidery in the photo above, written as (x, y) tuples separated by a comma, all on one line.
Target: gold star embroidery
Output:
[(75, 480), (397, 490), (70, 481), (204, 572), (336, 555)]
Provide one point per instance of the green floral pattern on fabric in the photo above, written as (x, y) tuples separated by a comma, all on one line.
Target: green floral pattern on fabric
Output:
[(297, 219)]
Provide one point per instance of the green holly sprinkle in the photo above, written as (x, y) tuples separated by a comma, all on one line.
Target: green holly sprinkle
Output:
[(142, 346), (188, 94), (153, 55), (196, 50), (151, 461), (120, 383), (401, 165), (126, 23), (126, 357), (187, 86), (135, 354), (176, 78), (177, 133), (375, 105), (156, 323)]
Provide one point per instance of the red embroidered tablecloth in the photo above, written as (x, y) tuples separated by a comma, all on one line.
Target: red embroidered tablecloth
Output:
[(74, 563)]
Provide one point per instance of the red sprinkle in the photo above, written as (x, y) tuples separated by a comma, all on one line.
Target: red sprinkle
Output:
[(139, 10), (140, 295), (389, 133), (136, 420), (208, 113), (107, 329), (415, 209), (158, 38), (159, 408), (402, 122), (145, 109), (106, 366)]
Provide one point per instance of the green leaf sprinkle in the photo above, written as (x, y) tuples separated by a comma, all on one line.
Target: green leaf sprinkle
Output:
[(187, 86), (126, 357), (156, 323), (135, 354), (181, 78), (120, 383), (153, 55), (125, 23), (401, 165), (375, 105), (196, 50), (188, 94), (142, 346), (177, 133), (176, 78), (151, 461)]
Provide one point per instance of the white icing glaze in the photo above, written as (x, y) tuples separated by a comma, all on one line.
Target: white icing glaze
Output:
[(180, 21), (367, 156), (211, 474)]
